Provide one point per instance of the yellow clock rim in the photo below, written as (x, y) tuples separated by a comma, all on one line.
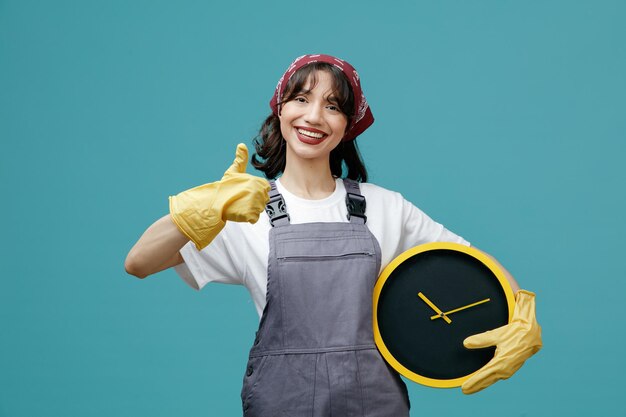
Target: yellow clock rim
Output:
[(382, 279)]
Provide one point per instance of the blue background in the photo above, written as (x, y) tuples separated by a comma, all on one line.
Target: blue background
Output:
[(503, 120)]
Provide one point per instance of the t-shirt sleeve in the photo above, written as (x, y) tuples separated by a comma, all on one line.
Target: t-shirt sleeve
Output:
[(398, 225), (215, 263), (419, 228)]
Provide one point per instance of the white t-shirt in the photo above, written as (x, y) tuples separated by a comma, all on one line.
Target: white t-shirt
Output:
[(239, 253)]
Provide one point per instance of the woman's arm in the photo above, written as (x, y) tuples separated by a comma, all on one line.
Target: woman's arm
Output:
[(157, 249), (199, 214)]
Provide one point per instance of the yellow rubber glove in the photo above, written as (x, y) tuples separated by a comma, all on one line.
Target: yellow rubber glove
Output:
[(201, 212), (515, 342)]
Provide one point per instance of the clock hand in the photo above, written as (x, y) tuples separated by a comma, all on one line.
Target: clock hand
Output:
[(434, 307), (461, 308)]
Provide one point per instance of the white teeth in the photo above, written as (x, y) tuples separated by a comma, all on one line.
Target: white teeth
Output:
[(310, 134)]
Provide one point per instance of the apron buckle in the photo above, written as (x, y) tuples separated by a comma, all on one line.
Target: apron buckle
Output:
[(276, 209), (355, 204)]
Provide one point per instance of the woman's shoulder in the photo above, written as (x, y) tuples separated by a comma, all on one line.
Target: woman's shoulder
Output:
[(381, 199), (376, 191)]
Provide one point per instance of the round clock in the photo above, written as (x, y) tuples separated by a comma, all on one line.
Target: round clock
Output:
[(428, 300)]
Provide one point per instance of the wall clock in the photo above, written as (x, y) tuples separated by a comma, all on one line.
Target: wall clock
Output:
[(428, 300)]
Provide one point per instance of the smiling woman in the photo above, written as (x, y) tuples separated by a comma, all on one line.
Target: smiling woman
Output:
[(338, 101), (309, 245), (312, 125)]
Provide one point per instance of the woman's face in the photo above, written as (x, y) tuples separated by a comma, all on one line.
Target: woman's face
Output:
[(312, 123)]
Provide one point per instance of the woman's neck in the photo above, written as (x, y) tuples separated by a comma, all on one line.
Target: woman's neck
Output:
[(309, 179)]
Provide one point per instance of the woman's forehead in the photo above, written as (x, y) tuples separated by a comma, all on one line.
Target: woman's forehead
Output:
[(320, 81)]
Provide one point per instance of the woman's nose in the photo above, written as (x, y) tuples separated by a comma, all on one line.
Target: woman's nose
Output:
[(314, 114)]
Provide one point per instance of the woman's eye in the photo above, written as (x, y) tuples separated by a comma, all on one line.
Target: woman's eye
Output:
[(333, 108), (300, 99)]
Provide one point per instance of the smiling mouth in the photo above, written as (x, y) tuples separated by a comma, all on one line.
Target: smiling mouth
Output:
[(309, 134)]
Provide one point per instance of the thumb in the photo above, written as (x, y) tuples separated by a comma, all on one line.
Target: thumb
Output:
[(240, 162), (485, 339)]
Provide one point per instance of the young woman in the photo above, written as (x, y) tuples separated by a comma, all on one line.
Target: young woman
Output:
[(309, 247)]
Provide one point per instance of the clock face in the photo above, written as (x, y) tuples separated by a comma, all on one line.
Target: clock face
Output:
[(428, 300)]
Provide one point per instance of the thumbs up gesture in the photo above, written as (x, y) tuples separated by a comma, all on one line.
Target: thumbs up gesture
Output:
[(201, 212), (244, 195)]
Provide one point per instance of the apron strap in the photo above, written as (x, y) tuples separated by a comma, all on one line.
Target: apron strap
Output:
[(355, 202), (276, 208)]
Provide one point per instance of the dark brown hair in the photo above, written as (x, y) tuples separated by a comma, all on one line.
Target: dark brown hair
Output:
[(271, 148)]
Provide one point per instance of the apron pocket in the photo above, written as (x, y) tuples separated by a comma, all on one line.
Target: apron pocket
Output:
[(383, 387), (325, 301), (251, 378), (285, 387), (305, 258), (324, 248)]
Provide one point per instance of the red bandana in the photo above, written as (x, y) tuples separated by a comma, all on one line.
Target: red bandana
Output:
[(362, 117)]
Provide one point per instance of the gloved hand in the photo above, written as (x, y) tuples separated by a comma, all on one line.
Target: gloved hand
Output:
[(201, 212), (515, 342)]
